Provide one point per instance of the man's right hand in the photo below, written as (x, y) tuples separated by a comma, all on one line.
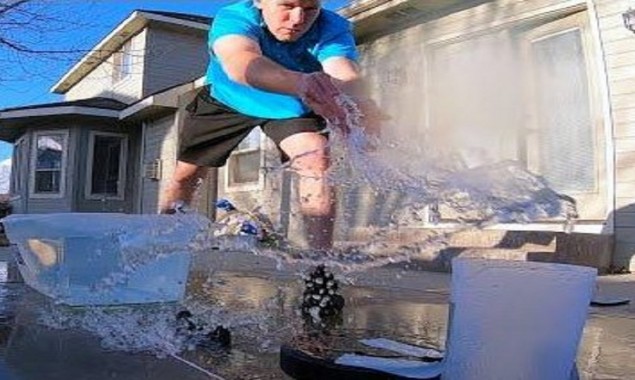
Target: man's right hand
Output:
[(320, 93)]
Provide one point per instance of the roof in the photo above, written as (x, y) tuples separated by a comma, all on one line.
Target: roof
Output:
[(129, 27), (102, 103), (181, 16)]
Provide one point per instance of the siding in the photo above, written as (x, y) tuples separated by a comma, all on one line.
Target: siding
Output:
[(99, 82), (619, 50), (173, 58), (160, 142)]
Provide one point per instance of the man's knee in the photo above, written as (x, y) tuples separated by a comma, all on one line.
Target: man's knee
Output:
[(307, 151), (187, 174)]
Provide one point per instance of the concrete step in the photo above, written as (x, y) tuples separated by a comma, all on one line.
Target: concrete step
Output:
[(529, 241)]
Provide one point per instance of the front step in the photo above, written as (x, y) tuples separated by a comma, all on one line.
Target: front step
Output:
[(593, 250), (529, 241)]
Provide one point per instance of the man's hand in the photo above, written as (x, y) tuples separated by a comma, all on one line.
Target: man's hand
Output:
[(320, 93)]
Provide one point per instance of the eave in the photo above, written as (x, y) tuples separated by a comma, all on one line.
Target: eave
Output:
[(134, 24)]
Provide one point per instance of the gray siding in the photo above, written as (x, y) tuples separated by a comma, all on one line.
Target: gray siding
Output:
[(160, 142), (173, 58)]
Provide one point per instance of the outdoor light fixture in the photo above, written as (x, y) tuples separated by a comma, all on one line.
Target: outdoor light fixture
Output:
[(629, 20)]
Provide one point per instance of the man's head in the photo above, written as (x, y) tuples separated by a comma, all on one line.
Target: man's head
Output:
[(288, 20)]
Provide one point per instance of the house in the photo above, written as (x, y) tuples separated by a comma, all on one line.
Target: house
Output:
[(549, 81)]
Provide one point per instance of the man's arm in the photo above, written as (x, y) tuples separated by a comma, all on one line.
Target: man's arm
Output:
[(244, 63), (345, 72)]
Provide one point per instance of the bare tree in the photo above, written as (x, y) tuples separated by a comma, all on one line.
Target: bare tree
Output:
[(35, 33)]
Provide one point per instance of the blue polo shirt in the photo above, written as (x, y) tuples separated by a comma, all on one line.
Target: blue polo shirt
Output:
[(330, 36)]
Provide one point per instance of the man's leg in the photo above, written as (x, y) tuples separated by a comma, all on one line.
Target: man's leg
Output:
[(309, 154), (183, 185)]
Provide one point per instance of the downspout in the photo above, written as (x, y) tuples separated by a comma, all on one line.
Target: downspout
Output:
[(139, 196)]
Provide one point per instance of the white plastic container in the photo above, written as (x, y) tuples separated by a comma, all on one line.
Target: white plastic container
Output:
[(516, 320), (106, 259)]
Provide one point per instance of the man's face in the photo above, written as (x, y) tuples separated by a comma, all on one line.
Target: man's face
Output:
[(289, 20)]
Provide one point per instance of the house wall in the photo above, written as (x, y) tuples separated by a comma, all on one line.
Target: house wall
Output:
[(99, 82), (619, 54), (398, 65), (172, 58), (74, 198), (160, 139), (614, 47)]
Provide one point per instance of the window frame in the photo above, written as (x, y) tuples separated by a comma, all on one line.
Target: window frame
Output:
[(123, 156), (592, 204), (63, 167), (248, 186), (17, 177), (123, 61)]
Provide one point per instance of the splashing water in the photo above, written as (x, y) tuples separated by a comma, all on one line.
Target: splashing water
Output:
[(482, 196), (479, 196)]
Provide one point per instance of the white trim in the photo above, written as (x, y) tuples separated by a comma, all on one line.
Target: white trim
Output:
[(177, 21), (123, 156), (137, 107), (61, 110), (607, 114), (200, 82), (167, 98), (33, 159), (507, 22)]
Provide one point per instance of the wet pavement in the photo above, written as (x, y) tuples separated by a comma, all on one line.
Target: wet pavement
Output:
[(263, 300)]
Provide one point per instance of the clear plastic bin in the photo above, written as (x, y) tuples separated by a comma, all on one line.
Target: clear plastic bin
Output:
[(106, 259)]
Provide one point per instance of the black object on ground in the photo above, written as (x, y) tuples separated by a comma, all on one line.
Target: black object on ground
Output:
[(607, 302), (302, 365), (199, 332), (321, 302)]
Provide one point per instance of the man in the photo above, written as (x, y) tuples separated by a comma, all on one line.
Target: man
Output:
[(280, 65)]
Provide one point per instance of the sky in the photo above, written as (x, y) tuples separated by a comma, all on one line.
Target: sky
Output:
[(77, 26)]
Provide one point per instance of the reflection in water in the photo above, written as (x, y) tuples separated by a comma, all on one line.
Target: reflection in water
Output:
[(261, 310)]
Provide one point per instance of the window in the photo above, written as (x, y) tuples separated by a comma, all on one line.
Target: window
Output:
[(526, 93), (123, 61), (49, 156), (106, 165), (243, 167)]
